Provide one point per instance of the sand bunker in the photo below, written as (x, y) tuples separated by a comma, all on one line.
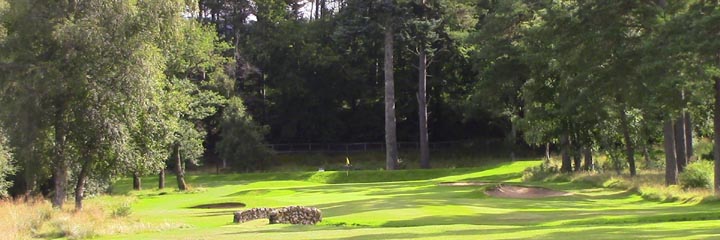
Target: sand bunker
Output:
[(463, 183), (509, 191), (220, 205)]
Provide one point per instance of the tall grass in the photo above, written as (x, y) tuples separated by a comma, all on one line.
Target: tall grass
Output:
[(21, 219), (35, 218), (650, 184)]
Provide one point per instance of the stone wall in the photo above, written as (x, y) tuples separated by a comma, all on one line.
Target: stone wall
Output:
[(251, 214), (286, 215)]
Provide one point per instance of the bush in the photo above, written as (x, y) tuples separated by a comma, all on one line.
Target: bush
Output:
[(6, 166), (542, 172), (122, 210), (698, 174)]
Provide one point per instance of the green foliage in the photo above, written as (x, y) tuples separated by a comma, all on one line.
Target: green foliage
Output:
[(241, 139), (122, 210), (698, 174), (7, 166)]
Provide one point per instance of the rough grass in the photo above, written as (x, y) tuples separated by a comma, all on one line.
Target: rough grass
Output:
[(35, 218), (648, 183)]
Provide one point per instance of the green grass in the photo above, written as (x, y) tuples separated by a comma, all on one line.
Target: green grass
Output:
[(409, 204)]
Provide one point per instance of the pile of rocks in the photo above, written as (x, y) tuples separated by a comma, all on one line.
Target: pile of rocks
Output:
[(251, 214), (296, 215), (286, 215)]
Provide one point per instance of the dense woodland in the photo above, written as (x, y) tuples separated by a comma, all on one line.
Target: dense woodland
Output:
[(94, 90)]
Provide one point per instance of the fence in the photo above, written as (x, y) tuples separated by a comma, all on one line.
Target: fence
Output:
[(366, 146)]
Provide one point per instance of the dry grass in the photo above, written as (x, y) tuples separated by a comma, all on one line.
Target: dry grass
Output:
[(648, 183), (21, 219), (35, 218)]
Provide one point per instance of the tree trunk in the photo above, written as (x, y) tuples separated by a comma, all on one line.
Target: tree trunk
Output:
[(577, 156), (680, 156), (547, 152), (137, 182), (688, 137), (80, 185), (670, 162), (179, 171), (646, 155), (422, 110), (588, 159), (566, 161), (60, 168), (161, 179), (512, 140), (391, 150), (716, 138), (629, 149)]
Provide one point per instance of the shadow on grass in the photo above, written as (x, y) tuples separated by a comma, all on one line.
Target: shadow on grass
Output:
[(124, 186)]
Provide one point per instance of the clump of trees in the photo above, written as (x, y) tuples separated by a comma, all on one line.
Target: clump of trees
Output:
[(99, 89), (611, 77)]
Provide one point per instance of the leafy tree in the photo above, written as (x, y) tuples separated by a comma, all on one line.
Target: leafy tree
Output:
[(241, 138)]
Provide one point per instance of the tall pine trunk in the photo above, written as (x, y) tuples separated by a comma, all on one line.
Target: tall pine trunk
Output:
[(422, 104), (716, 137), (161, 179), (60, 166), (137, 182), (688, 137), (577, 156), (179, 171), (422, 110), (629, 149), (565, 151), (391, 150), (646, 155), (588, 166), (670, 162), (680, 156)]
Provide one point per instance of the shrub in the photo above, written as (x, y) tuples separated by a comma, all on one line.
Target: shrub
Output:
[(6, 166), (698, 174), (122, 210), (542, 172)]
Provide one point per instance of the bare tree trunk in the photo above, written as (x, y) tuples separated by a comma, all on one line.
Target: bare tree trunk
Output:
[(80, 185), (688, 137), (670, 162), (716, 137), (646, 155), (629, 149), (588, 159), (323, 7), (391, 150), (512, 140), (422, 110), (179, 171), (60, 168), (161, 179), (137, 182), (680, 156), (547, 152), (577, 156), (566, 161)]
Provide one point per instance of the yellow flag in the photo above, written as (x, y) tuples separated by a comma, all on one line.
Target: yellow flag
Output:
[(347, 160)]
